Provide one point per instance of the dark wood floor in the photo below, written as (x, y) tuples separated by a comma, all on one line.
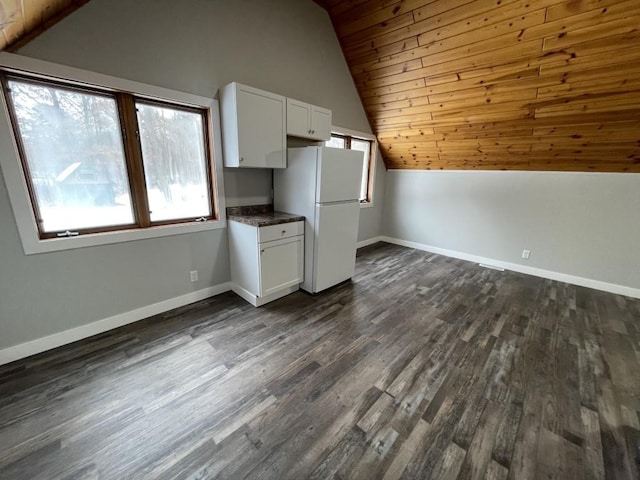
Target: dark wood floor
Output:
[(424, 367)]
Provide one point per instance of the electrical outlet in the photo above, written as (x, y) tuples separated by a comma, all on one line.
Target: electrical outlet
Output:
[(526, 253), (194, 275)]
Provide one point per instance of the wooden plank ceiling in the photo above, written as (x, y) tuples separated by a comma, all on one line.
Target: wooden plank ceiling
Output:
[(23, 20), (497, 84)]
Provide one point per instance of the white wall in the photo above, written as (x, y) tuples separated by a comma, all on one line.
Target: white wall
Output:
[(196, 46), (580, 224)]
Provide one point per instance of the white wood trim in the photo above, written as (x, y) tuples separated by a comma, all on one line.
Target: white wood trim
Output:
[(17, 186), (34, 66), (259, 301), (244, 294), (370, 241), (538, 272), (43, 344), (354, 133)]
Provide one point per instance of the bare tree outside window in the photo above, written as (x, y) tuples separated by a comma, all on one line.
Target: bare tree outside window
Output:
[(174, 162), (97, 160), (75, 157)]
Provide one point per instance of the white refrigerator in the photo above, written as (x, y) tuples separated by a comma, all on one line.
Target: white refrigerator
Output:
[(323, 184)]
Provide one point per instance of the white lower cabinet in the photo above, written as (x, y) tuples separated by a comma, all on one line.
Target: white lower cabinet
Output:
[(266, 262)]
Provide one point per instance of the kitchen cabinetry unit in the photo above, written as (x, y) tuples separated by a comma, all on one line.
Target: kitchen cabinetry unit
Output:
[(308, 121), (266, 262), (254, 128)]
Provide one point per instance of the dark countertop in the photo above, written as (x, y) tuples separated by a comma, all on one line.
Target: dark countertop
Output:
[(260, 216)]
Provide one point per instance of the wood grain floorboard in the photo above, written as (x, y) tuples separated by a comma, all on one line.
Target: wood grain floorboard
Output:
[(422, 367)]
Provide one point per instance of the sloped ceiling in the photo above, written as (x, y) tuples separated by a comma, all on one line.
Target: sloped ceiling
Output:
[(22, 20), (497, 84)]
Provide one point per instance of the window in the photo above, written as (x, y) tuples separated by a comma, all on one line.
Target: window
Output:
[(364, 143), (174, 156), (98, 160)]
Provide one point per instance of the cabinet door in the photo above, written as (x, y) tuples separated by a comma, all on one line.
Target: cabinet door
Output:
[(281, 264), (298, 118), (261, 129), (320, 123)]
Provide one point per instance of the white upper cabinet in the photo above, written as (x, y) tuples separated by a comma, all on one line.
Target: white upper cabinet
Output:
[(308, 121), (254, 133), (298, 118), (321, 123)]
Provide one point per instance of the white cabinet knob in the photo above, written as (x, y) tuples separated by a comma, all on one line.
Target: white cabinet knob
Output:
[(241, 159)]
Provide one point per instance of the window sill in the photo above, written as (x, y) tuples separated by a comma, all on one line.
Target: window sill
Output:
[(121, 236)]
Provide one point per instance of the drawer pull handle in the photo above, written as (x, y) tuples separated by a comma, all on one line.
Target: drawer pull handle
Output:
[(283, 232)]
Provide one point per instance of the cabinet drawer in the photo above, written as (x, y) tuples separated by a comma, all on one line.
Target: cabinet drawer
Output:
[(283, 230)]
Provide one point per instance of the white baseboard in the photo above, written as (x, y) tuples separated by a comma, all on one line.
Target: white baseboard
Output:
[(538, 272), (259, 301), (39, 345), (370, 241), (43, 344)]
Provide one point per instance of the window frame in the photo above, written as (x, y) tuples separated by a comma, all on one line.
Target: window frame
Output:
[(348, 135), (207, 143), (126, 93)]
